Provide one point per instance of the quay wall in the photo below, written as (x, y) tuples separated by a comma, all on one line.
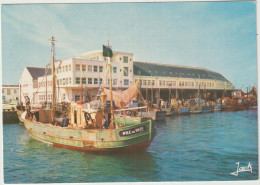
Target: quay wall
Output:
[(10, 116)]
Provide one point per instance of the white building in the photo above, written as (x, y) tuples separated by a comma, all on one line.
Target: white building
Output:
[(10, 93), (83, 76)]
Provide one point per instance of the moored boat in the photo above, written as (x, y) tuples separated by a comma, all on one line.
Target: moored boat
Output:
[(184, 111), (206, 109), (217, 107), (169, 111), (196, 109)]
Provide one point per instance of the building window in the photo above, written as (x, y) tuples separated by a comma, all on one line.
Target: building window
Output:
[(77, 80), (125, 59), (100, 81), (8, 92), (83, 67), (77, 98), (63, 81), (144, 82), (14, 91), (192, 84), (69, 67), (114, 81), (95, 69), (89, 80), (63, 69), (152, 82), (41, 97), (95, 80), (83, 80), (66, 68), (64, 97), (114, 69), (125, 71), (69, 80), (49, 96), (77, 67), (89, 68), (66, 81), (126, 82), (3, 91), (100, 68)]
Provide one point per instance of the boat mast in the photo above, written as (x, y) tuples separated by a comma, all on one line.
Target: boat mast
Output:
[(53, 76)]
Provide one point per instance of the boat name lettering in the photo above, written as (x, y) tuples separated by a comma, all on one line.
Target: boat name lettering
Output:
[(132, 131)]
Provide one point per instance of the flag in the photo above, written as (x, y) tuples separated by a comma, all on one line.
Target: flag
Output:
[(107, 52)]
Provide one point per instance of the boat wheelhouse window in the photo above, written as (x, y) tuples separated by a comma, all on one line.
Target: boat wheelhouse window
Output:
[(126, 82), (83, 67), (89, 68), (95, 69), (77, 80), (125, 59), (77, 98), (114, 69), (95, 80), (89, 80), (100, 68), (83, 80), (77, 67), (125, 71)]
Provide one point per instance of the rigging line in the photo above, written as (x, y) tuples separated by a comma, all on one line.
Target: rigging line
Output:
[(46, 72)]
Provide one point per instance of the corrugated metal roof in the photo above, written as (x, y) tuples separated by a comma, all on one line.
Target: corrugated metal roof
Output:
[(10, 85), (37, 72), (164, 70)]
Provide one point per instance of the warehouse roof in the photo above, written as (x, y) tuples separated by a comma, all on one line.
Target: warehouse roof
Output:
[(37, 72), (164, 70)]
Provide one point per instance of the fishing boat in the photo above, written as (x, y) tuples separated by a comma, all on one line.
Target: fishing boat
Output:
[(20, 110), (206, 109), (169, 111), (217, 107), (183, 110), (196, 109), (85, 130)]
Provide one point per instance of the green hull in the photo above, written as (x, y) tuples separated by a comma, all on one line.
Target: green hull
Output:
[(131, 137), (128, 120)]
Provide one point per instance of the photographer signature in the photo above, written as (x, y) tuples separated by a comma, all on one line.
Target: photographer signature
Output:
[(247, 168)]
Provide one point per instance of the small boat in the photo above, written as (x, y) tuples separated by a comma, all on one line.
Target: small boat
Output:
[(169, 111), (196, 109), (206, 109), (183, 111), (227, 107), (217, 107), (253, 105), (156, 115)]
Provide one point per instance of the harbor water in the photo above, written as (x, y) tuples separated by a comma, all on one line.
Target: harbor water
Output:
[(201, 147)]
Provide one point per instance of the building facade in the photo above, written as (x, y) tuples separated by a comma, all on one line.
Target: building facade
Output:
[(81, 77), (10, 93)]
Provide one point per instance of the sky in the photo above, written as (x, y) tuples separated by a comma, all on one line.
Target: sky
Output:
[(220, 36)]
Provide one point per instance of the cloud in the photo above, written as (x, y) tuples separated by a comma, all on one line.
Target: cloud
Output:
[(39, 24)]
